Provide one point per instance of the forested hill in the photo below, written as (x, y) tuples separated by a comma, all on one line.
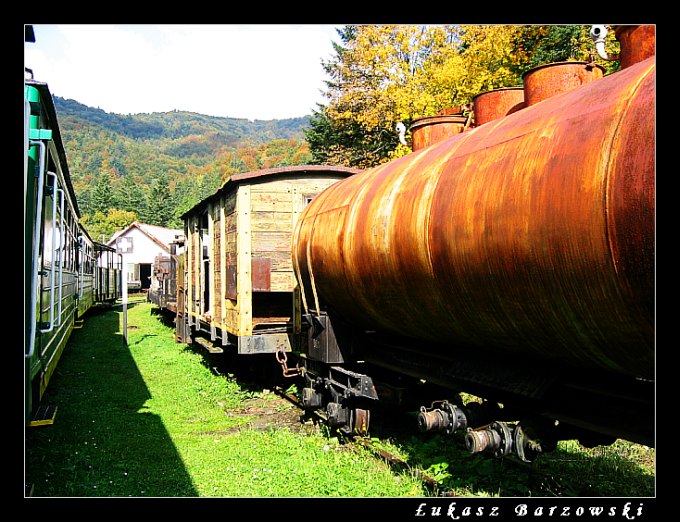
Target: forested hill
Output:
[(180, 124), (152, 167)]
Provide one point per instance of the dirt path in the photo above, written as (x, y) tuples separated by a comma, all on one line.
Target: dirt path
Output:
[(271, 411)]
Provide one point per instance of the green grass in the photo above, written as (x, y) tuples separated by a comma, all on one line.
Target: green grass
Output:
[(155, 418), (623, 469)]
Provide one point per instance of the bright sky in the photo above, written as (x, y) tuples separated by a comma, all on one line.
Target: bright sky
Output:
[(264, 72)]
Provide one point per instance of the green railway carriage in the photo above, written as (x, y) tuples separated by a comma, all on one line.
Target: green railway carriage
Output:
[(65, 271)]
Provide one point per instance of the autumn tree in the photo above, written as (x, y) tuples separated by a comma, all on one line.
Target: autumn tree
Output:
[(377, 79), (535, 45), (385, 74), (102, 225)]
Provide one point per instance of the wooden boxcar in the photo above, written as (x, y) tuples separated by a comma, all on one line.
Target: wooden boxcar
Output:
[(163, 289), (236, 284)]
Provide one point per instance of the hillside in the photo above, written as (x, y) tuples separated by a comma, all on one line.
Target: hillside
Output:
[(180, 124), (156, 165)]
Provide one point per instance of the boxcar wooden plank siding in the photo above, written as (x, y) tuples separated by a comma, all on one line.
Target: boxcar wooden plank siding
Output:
[(244, 285), (240, 282), (216, 296), (271, 221), (210, 269), (279, 198), (280, 261), (223, 263)]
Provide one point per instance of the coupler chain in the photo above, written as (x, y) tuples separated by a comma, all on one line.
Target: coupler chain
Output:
[(282, 359)]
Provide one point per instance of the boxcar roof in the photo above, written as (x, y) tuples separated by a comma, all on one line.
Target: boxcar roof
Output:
[(265, 174)]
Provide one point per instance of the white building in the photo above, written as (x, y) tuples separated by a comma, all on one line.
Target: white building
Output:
[(139, 244)]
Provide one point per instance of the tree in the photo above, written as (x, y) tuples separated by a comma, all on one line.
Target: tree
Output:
[(488, 59), (101, 197), (557, 43), (385, 74), (159, 202), (131, 195), (377, 79), (102, 225)]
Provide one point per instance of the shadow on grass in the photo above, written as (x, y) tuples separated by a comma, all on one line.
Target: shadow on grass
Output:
[(102, 442)]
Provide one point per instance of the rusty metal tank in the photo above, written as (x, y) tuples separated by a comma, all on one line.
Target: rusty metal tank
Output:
[(545, 81), (638, 42), (491, 105), (429, 130), (531, 237)]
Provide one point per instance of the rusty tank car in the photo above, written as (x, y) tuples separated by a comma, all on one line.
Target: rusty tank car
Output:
[(513, 260)]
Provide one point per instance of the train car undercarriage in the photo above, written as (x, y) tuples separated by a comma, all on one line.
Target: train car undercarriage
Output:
[(525, 409)]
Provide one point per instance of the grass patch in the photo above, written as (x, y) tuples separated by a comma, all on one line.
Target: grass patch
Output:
[(569, 471), (155, 418)]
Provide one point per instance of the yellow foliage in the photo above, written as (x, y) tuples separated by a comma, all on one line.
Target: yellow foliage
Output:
[(384, 74), (391, 73), (101, 226)]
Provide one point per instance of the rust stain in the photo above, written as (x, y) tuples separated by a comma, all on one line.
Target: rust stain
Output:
[(491, 105), (546, 81), (430, 130), (504, 237)]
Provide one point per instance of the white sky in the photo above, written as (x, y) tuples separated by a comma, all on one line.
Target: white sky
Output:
[(268, 71)]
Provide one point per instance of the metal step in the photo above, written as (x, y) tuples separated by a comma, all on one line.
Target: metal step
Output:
[(205, 343), (43, 416)]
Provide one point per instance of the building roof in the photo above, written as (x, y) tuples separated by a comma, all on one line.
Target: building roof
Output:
[(266, 174), (162, 236)]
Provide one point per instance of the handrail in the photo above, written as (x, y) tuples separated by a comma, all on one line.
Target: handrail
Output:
[(36, 241), (50, 326), (81, 260), (62, 239)]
